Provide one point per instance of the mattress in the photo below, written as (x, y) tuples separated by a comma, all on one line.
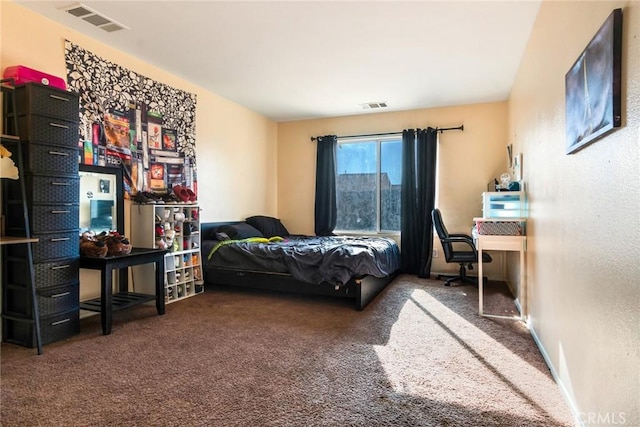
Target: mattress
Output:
[(312, 259)]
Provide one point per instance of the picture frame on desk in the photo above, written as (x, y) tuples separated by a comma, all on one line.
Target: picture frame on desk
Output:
[(517, 167)]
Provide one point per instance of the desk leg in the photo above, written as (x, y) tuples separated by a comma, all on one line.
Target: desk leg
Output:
[(160, 286), (106, 292), (480, 279), (123, 279), (522, 291)]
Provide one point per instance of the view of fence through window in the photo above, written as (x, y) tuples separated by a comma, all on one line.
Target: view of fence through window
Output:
[(368, 183)]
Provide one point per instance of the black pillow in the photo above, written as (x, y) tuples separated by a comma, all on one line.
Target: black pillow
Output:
[(222, 236), (268, 226), (239, 231)]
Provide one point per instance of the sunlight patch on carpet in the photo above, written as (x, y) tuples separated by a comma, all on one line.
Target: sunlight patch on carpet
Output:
[(460, 350)]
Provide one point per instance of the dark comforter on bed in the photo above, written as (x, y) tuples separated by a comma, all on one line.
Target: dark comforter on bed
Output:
[(332, 259)]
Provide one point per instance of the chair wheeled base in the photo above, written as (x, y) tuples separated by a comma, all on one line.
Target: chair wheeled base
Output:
[(465, 255), (461, 277)]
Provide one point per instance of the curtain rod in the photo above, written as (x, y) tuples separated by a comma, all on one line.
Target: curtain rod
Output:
[(461, 128)]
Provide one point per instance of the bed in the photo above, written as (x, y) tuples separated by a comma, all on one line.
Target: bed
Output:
[(260, 253)]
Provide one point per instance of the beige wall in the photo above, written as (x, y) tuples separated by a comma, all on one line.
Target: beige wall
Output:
[(467, 161), (584, 234), (235, 147), (584, 222)]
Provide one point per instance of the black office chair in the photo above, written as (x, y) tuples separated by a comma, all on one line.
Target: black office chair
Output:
[(465, 257)]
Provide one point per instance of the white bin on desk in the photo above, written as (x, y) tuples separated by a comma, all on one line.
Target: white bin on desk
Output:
[(501, 226), (504, 204)]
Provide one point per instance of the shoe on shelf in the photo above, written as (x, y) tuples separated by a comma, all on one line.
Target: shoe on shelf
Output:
[(142, 198), (157, 198), (192, 196), (181, 193), (171, 198)]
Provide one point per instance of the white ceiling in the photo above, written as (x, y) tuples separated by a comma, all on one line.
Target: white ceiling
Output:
[(291, 60)]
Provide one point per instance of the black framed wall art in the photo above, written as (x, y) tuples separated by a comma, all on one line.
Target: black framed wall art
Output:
[(593, 87)]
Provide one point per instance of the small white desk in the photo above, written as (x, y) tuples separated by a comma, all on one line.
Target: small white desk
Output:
[(504, 243)]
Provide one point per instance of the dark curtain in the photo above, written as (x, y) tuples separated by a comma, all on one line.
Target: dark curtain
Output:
[(326, 211), (419, 149)]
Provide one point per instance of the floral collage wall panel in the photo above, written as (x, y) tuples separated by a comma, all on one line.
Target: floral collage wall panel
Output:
[(131, 121)]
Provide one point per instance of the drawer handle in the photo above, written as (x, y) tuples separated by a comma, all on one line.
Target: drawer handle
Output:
[(60, 239), (58, 125), (60, 183), (59, 98), (60, 322), (60, 212), (60, 267), (58, 153), (64, 294)]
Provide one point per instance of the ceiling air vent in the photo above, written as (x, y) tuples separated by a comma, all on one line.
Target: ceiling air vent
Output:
[(371, 105), (91, 16)]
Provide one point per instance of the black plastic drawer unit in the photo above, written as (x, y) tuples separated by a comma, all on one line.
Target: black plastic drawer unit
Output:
[(50, 246), (52, 328), (47, 100), (51, 301), (53, 273), (44, 218), (46, 189), (47, 131)]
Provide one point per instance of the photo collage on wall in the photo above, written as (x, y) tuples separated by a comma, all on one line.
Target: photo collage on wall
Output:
[(130, 121)]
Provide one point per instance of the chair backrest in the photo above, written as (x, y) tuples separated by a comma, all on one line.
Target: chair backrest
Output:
[(443, 234)]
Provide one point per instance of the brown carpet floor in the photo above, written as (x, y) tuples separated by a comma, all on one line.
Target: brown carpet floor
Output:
[(419, 355)]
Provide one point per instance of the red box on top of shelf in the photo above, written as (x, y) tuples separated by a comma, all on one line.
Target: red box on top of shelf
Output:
[(21, 75)]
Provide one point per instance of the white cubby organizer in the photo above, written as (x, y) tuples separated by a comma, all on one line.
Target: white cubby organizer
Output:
[(176, 226)]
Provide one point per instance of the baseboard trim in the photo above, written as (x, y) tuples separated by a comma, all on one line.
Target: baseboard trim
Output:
[(563, 391)]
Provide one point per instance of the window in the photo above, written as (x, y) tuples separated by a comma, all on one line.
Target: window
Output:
[(368, 183)]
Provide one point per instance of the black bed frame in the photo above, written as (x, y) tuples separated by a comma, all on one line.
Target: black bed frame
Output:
[(362, 290)]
